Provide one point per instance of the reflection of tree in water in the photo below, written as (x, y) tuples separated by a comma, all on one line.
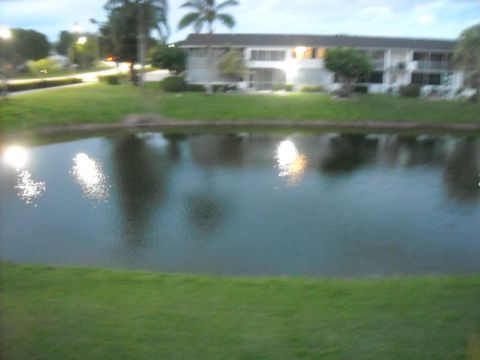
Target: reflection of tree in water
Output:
[(462, 171), (139, 171), (205, 212), (348, 152), (215, 150), (174, 140), (414, 151), (205, 206)]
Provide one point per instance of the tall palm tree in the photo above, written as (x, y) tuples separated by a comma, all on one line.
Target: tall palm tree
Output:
[(467, 54), (155, 12), (206, 13), (129, 25)]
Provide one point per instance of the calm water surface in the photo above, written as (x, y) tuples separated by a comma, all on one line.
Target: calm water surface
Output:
[(249, 203)]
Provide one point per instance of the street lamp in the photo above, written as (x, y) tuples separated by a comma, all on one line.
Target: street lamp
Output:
[(77, 29), (5, 33)]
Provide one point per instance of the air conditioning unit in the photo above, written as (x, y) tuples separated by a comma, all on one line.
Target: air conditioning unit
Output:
[(401, 66)]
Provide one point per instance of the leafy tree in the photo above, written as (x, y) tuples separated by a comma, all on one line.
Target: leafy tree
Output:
[(65, 41), (130, 19), (231, 65), (349, 64), (206, 13), (167, 57), (24, 45), (467, 55)]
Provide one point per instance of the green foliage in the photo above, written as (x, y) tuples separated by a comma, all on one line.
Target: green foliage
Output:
[(42, 84), (206, 13), (65, 40), (24, 45), (43, 67), (348, 63), (113, 79), (312, 89), (195, 88), (173, 84), (166, 57), (122, 27), (467, 55), (231, 65), (412, 90), (360, 89)]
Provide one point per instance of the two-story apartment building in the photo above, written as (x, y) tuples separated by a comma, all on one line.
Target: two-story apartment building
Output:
[(273, 61)]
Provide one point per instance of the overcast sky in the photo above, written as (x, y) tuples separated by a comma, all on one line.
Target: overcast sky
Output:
[(412, 18)]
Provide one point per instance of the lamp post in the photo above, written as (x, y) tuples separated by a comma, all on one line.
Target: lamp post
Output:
[(77, 29), (5, 35)]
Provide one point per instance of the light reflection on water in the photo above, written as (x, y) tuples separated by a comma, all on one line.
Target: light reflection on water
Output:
[(29, 189), (251, 203), (290, 162), (88, 173)]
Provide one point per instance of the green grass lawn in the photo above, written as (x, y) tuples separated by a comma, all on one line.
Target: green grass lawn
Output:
[(103, 103), (79, 313)]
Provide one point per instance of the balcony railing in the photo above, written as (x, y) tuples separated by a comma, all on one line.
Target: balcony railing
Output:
[(434, 65)]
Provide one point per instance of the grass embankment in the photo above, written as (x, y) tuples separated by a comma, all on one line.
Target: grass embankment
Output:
[(78, 313), (103, 103)]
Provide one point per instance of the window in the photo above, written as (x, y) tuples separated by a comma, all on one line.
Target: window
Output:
[(197, 52), (265, 55), (420, 56), (420, 78), (376, 77)]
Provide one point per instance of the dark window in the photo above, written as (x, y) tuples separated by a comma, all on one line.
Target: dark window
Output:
[(419, 56), (434, 79), (436, 57), (417, 78), (375, 77)]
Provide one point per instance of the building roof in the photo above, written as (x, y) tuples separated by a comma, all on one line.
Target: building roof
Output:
[(279, 40)]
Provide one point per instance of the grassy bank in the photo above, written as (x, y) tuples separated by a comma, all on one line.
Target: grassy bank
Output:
[(103, 103), (77, 313)]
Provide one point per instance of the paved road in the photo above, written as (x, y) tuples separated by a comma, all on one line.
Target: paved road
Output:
[(88, 78)]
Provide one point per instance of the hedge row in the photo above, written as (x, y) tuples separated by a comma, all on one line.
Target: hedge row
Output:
[(42, 84)]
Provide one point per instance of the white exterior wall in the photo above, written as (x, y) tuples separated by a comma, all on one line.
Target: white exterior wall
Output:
[(398, 66)]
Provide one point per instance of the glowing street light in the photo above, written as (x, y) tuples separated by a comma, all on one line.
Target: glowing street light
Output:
[(5, 33), (82, 40)]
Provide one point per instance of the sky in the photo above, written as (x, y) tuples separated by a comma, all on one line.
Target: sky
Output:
[(406, 18)]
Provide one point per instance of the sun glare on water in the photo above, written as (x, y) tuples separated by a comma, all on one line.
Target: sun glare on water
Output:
[(88, 173), (290, 162)]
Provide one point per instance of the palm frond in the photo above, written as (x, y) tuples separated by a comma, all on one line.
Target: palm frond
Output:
[(188, 19), (227, 20), (227, 3)]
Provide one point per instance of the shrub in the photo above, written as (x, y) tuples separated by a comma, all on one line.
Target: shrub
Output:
[(412, 90), (43, 66), (195, 88), (360, 89), (312, 89), (173, 84), (113, 79), (289, 87), (42, 84), (224, 88)]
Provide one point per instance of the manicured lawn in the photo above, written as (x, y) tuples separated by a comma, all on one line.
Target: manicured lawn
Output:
[(103, 103), (79, 313)]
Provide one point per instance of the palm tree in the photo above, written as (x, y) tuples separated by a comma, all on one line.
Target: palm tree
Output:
[(129, 25), (467, 55), (206, 13)]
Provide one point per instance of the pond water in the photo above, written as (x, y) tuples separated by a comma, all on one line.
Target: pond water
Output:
[(246, 204)]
